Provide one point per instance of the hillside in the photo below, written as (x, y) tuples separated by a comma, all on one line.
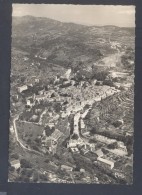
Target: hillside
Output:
[(66, 44)]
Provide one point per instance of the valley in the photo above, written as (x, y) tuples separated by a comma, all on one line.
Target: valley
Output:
[(72, 102)]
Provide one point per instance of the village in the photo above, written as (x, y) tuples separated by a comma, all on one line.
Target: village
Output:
[(70, 101)]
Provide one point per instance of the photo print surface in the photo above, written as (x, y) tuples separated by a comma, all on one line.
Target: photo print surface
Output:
[(72, 94)]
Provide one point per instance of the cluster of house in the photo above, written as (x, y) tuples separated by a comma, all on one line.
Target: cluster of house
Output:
[(79, 144), (102, 159), (72, 99), (51, 141), (115, 45), (121, 149)]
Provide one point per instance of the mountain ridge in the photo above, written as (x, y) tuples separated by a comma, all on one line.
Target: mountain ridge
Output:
[(67, 45), (46, 18)]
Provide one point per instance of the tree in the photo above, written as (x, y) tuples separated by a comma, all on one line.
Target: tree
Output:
[(57, 107), (112, 145), (25, 164), (108, 82), (93, 130), (15, 156), (43, 177), (35, 148), (49, 130), (12, 169), (23, 79), (28, 141), (35, 176), (47, 160), (37, 140), (117, 123), (75, 136)]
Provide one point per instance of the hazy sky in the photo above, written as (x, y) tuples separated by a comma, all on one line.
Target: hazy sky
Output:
[(82, 14)]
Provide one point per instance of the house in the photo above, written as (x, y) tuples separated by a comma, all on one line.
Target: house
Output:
[(92, 147), (30, 102), (51, 125), (82, 124), (99, 153), (99, 83), (82, 170), (22, 88), (12, 129), (47, 142), (37, 111), (85, 149), (108, 163), (94, 81), (117, 85), (74, 150), (66, 84), (66, 168), (97, 98), (72, 82), (50, 145), (36, 80), (26, 58), (15, 164), (44, 133), (41, 92), (68, 73), (53, 149), (15, 98), (56, 135), (72, 144), (34, 118)]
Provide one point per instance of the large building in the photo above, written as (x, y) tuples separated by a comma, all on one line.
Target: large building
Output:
[(106, 162)]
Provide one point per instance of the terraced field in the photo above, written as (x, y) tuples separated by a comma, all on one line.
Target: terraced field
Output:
[(116, 107)]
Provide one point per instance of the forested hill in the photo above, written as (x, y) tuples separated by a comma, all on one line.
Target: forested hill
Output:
[(66, 43)]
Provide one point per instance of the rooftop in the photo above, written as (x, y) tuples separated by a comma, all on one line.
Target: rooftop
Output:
[(15, 162)]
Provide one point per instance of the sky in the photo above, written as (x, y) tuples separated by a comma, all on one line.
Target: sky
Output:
[(123, 16)]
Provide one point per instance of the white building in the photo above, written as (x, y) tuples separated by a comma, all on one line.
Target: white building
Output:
[(82, 170), (97, 98), (107, 162), (74, 150), (67, 168), (22, 88), (36, 80), (15, 164), (29, 102), (82, 124), (12, 129), (99, 153), (68, 73)]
